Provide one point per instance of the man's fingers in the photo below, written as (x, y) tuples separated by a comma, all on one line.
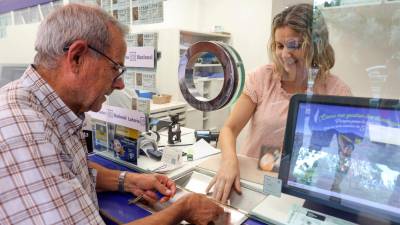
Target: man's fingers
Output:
[(149, 199), (164, 199), (223, 218), (165, 185), (162, 189), (151, 195), (137, 192), (171, 186), (220, 211)]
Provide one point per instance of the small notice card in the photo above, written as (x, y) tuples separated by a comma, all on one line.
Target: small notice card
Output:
[(272, 186)]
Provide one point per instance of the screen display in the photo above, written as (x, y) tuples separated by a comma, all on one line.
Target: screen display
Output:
[(348, 155)]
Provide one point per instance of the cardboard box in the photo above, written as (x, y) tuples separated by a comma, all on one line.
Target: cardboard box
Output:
[(161, 99)]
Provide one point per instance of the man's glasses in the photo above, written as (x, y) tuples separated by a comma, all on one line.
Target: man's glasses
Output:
[(116, 66)]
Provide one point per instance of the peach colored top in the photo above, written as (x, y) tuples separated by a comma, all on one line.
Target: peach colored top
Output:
[(267, 125)]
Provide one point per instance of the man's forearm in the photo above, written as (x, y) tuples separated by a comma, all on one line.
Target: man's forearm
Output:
[(107, 179)]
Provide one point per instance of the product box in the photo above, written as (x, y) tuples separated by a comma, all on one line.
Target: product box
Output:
[(124, 143), (116, 131), (99, 129)]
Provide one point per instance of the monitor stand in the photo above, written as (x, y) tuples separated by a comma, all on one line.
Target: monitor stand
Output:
[(351, 217)]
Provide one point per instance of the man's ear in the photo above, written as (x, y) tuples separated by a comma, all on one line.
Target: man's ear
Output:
[(75, 54)]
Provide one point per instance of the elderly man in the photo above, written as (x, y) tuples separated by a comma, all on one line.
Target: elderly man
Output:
[(45, 177)]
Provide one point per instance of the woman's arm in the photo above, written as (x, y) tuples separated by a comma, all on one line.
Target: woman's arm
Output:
[(238, 118), (228, 174)]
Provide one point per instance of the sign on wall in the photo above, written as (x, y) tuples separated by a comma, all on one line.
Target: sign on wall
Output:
[(142, 57)]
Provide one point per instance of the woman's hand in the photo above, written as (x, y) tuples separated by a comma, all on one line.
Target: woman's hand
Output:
[(228, 175), (148, 184)]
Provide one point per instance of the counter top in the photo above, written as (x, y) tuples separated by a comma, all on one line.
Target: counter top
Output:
[(113, 205)]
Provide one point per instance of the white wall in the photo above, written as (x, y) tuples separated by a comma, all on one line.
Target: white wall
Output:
[(18, 46), (279, 5), (247, 21)]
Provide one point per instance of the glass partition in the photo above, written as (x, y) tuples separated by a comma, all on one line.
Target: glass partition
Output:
[(342, 152), (365, 36)]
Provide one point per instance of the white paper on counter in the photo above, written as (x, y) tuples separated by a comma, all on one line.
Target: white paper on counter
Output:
[(202, 149)]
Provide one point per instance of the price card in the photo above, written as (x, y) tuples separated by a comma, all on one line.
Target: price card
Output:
[(172, 156), (272, 186)]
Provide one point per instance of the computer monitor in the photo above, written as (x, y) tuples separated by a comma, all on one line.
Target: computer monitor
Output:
[(344, 152)]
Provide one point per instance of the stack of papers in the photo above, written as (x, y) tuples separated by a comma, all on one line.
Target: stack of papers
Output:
[(201, 149)]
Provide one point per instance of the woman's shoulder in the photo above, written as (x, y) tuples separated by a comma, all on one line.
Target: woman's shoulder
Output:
[(259, 81), (264, 73), (267, 69), (336, 86)]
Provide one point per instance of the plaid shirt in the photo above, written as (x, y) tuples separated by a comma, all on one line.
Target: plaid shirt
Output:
[(44, 176)]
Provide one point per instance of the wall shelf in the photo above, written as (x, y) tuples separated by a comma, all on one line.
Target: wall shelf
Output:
[(207, 65)]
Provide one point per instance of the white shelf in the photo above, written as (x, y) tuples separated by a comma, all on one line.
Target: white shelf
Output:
[(206, 79), (205, 34), (378, 10), (374, 6), (183, 47), (355, 4), (163, 111), (207, 65), (154, 108)]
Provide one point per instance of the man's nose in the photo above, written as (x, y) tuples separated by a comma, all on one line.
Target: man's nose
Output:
[(118, 84)]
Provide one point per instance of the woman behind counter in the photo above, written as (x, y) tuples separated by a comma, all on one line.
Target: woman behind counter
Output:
[(267, 91)]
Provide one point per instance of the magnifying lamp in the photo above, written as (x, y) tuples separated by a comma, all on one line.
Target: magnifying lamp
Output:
[(233, 72)]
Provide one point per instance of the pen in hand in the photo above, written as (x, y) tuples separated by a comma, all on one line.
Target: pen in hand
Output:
[(135, 200), (138, 198)]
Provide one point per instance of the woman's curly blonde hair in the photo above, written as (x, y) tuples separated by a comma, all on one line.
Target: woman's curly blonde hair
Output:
[(310, 24)]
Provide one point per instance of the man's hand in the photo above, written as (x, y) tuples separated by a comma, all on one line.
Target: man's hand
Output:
[(148, 184), (198, 209), (193, 208)]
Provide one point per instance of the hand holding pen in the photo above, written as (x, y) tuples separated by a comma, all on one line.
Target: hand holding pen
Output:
[(150, 187), (195, 208), (140, 197)]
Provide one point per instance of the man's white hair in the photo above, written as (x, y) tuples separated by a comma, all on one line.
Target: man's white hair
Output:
[(70, 23)]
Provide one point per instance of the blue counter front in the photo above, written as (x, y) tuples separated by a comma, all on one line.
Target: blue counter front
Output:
[(114, 206)]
